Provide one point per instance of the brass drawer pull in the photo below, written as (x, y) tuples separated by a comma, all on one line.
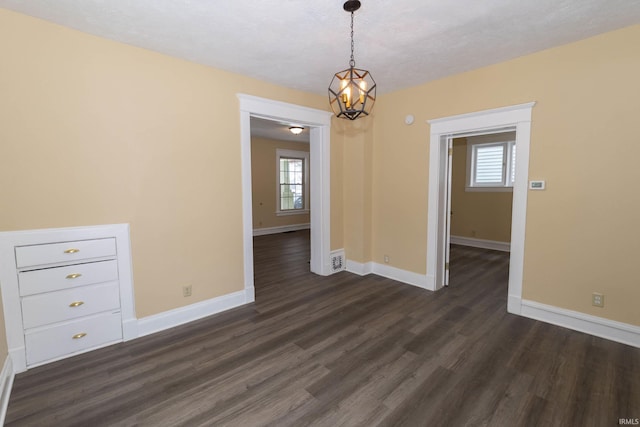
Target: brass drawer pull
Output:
[(76, 304), (74, 276), (71, 251), (78, 336)]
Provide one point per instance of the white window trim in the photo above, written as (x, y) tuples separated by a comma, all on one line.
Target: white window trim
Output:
[(487, 189), (292, 154), (293, 212), (470, 186)]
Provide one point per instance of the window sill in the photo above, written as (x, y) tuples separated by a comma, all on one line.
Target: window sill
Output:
[(296, 212), (488, 189)]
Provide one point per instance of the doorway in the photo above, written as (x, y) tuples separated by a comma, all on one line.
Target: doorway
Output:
[(319, 123), (481, 197), (280, 175), (515, 118)]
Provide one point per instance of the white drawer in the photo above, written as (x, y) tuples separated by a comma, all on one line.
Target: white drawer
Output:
[(49, 343), (70, 276), (42, 309), (33, 255)]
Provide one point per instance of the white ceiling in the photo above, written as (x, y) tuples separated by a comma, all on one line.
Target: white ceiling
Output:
[(301, 43)]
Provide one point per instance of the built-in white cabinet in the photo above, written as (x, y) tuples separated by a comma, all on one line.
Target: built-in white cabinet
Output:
[(65, 291)]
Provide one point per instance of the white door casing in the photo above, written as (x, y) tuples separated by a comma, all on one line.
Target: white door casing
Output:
[(517, 117), (319, 122), (447, 239)]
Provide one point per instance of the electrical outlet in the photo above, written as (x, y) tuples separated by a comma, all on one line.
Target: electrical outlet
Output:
[(597, 300), (386, 259), (186, 291)]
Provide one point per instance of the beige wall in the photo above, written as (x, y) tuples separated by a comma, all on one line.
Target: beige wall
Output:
[(336, 187), (582, 232), (357, 169), (264, 185), (98, 132), (477, 214)]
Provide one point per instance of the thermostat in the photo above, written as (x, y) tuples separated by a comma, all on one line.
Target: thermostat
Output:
[(536, 185)]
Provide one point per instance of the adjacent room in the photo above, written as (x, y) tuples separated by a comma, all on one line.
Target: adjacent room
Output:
[(319, 213)]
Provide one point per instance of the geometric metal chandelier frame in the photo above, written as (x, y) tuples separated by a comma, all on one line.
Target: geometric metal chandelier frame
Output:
[(352, 92)]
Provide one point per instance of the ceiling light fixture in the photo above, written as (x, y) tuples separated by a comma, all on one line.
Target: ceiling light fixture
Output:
[(296, 130), (352, 92)]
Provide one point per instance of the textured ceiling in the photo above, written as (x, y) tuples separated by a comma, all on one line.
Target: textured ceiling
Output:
[(301, 43)]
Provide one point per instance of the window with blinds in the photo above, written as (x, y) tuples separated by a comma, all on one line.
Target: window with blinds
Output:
[(493, 164)]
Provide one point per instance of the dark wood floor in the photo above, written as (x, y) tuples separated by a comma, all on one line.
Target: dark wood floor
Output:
[(345, 350)]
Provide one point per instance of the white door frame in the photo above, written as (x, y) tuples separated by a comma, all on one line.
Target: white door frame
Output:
[(487, 121), (447, 232), (320, 123)]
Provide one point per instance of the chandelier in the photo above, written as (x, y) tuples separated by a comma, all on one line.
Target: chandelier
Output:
[(352, 92)]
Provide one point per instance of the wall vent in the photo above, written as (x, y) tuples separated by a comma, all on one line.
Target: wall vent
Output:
[(337, 261)]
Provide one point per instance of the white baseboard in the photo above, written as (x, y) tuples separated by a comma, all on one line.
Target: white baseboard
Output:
[(431, 283), (404, 276), (18, 358), (6, 382), (129, 329), (604, 328), (481, 243), (514, 304), (280, 229), (361, 269), (249, 295), (389, 272), (169, 319)]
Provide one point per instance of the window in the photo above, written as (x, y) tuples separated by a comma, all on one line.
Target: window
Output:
[(491, 166), (292, 182)]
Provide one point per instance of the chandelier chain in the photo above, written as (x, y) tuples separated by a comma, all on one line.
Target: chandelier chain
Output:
[(352, 62)]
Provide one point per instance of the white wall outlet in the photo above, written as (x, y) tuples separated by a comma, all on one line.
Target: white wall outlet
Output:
[(186, 291), (597, 299), (386, 259)]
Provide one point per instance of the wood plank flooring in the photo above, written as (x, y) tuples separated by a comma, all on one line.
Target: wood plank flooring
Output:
[(345, 350)]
